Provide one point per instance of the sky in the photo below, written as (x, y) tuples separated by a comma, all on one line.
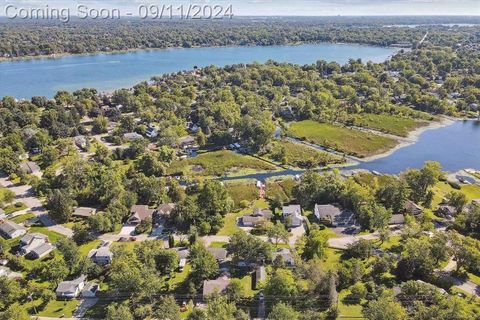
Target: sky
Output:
[(284, 7)]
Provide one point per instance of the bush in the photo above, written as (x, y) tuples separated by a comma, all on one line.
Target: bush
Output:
[(454, 185)]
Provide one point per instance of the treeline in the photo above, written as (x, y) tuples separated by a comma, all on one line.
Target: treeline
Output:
[(21, 39)]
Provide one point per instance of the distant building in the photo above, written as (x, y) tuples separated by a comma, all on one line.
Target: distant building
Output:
[(292, 215), (70, 289), (90, 290), (32, 240), (412, 208), (11, 230), (284, 255), (446, 210), (6, 272), (81, 142), (29, 167), (151, 132), (139, 213), (219, 253), (188, 142), (84, 212), (101, 256), (132, 136), (41, 251), (397, 219), (163, 211), (258, 216), (215, 286)]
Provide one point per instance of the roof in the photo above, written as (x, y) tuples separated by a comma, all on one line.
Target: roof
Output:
[(397, 219), (42, 249), (182, 253), (29, 237), (103, 252), (132, 136), (218, 253), (84, 212), (141, 211), (286, 254), (30, 167), (4, 271), (411, 206), (187, 139), (291, 209), (257, 212), (9, 227), (447, 209), (165, 208), (215, 286), (70, 286), (327, 211)]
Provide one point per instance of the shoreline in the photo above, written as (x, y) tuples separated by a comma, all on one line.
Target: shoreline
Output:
[(411, 138)]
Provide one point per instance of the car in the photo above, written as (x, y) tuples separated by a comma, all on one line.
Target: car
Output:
[(133, 238), (122, 239)]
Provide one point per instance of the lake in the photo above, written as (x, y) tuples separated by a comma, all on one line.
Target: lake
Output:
[(107, 72)]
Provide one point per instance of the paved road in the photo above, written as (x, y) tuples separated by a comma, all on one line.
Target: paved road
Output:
[(25, 194), (465, 285)]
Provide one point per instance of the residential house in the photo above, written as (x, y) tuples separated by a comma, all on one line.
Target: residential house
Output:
[(70, 289), (258, 216), (101, 256), (412, 208), (132, 136), (330, 214), (84, 212), (11, 230), (182, 253), (260, 276), (188, 142), (41, 251), (284, 256), (139, 213), (292, 215), (447, 211), (151, 132), (81, 142), (397, 219), (218, 286), (163, 211), (29, 167), (219, 253), (6, 272), (90, 290), (32, 240)]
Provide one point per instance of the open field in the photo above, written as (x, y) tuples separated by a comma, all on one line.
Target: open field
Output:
[(242, 192), (57, 309), (350, 141), (298, 155), (471, 191), (218, 163), (389, 124)]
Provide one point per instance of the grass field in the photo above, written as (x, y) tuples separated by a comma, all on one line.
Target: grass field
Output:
[(389, 124), (348, 311), (471, 191), (242, 191), (350, 141), (53, 236), (17, 206), (23, 217), (218, 163), (298, 155), (230, 224), (57, 309)]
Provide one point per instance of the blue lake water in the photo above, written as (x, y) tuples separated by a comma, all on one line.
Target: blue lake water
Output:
[(106, 72)]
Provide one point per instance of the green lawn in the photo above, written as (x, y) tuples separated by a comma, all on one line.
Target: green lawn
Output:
[(179, 278), (85, 248), (23, 217), (348, 311), (218, 244), (53, 236), (17, 206), (350, 141), (301, 156), (242, 191), (396, 125), (332, 259), (218, 163), (230, 223), (56, 309), (472, 191)]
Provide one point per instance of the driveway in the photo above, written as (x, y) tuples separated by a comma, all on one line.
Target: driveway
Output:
[(84, 305)]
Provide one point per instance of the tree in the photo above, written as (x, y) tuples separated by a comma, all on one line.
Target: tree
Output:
[(421, 180), (315, 245), (81, 234), (219, 308), (384, 308), (278, 233), (10, 291), (393, 194), (282, 311), (145, 226), (214, 198), (118, 312), (54, 270), (361, 249), (282, 285), (456, 199), (60, 205), (248, 248), (70, 252), (166, 261), (167, 309), (204, 264), (235, 290), (15, 312), (100, 125)]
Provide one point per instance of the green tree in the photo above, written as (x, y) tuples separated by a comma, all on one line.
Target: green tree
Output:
[(219, 308), (278, 233), (282, 311), (60, 205), (167, 309), (384, 308), (282, 285), (15, 312), (118, 312), (214, 198), (315, 245), (235, 290), (204, 264)]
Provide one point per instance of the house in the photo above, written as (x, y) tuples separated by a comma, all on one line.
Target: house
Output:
[(70, 289), (11, 230), (84, 212), (215, 286), (258, 216), (397, 219), (163, 211), (285, 256), (132, 136), (6, 272), (41, 251), (292, 215), (151, 132), (139, 213), (188, 142), (81, 142), (219, 253), (329, 214), (29, 167), (101, 256), (446, 210), (260, 276), (182, 253), (90, 290), (412, 208), (32, 240)]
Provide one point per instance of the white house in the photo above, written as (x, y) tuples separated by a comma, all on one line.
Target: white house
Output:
[(11, 230), (70, 289), (292, 215), (101, 256)]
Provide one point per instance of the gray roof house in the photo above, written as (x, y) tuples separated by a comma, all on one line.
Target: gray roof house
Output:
[(397, 219), (330, 214), (219, 253), (11, 230), (292, 215), (132, 136), (30, 241), (215, 286), (29, 167), (139, 213), (286, 256), (258, 215), (101, 256), (412, 208), (70, 289), (84, 212), (41, 251), (182, 253)]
